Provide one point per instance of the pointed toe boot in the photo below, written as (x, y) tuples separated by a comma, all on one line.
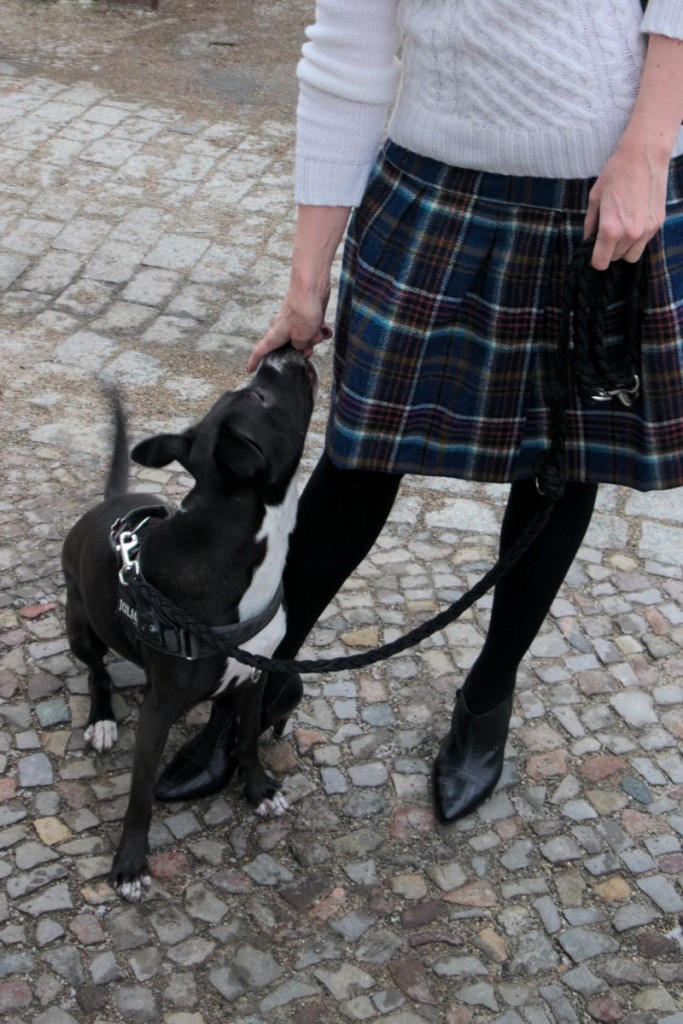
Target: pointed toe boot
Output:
[(205, 765), (470, 760)]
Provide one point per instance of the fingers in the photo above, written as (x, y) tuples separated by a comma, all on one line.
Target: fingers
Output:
[(618, 243), (590, 223), (616, 237), (268, 343), (635, 251), (279, 334), (603, 252), (626, 208)]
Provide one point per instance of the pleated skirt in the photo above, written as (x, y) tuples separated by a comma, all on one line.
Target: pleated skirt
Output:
[(448, 320)]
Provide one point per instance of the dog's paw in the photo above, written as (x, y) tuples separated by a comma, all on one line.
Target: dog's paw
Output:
[(101, 735), (273, 806), (130, 878), (132, 891)]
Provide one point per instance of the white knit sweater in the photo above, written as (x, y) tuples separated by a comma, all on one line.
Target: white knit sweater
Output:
[(531, 87)]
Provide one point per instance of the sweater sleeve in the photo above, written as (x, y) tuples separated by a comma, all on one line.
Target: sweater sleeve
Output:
[(665, 18), (348, 76)]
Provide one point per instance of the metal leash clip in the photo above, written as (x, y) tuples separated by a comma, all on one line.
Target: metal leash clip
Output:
[(127, 546), (626, 396)]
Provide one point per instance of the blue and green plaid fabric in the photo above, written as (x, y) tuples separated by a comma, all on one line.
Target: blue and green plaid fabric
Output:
[(449, 310)]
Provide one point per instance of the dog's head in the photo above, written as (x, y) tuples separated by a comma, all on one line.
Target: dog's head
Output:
[(254, 435)]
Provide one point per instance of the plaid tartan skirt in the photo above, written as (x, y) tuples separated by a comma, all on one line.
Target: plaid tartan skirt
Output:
[(448, 318)]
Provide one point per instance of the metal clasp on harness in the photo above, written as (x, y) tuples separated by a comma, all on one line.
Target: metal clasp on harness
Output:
[(625, 395), (127, 547)]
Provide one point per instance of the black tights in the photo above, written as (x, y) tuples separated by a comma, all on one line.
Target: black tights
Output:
[(522, 598), (341, 514)]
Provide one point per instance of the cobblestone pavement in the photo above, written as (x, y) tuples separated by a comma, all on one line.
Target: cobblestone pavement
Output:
[(141, 244)]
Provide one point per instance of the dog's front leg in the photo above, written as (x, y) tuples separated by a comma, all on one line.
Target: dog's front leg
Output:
[(130, 874), (100, 729), (260, 789)]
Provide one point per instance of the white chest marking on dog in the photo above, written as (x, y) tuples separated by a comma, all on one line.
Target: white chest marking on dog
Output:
[(278, 523)]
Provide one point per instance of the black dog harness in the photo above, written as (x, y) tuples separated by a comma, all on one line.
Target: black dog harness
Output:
[(150, 617)]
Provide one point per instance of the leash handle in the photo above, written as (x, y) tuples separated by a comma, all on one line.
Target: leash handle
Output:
[(583, 355), (603, 371)]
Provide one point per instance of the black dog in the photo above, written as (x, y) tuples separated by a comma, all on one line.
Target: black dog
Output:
[(219, 558)]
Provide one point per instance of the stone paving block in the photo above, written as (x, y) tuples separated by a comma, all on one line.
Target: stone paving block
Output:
[(113, 262), (151, 287), (85, 297), (663, 893), (661, 542), (136, 1003), (85, 348), (227, 981), (170, 331), (51, 900), (30, 236), (82, 235), (12, 265), (53, 273), (110, 152), (35, 770), (220, 265), (176, 252)]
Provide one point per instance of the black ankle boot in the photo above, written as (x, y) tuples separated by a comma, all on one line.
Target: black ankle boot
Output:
[(205, 765), (470, 761)]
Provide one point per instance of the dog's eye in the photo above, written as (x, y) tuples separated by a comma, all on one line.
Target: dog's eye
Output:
[(260, 395)]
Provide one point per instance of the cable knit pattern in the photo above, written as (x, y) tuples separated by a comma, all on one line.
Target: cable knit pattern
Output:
[(537, 87), (471, 65)]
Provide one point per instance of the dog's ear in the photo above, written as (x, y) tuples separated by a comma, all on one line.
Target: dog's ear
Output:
[(238, 455), (164, 448)]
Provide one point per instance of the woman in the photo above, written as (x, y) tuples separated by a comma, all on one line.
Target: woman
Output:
[(517, 130)]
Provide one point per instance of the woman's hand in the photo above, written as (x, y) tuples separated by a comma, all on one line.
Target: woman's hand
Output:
[(301, 318), (627, 205), (627, 202)]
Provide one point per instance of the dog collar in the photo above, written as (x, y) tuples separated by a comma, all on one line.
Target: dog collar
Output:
[(150, 617)]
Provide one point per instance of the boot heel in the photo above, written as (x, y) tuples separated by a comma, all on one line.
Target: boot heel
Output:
[(279, 727), (276, 715)]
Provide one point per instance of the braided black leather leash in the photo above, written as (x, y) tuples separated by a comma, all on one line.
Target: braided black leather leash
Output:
[(581, 353), (160, 604)]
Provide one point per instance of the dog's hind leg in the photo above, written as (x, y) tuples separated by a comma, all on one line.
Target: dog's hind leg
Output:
[(261, 790), (100, 730)]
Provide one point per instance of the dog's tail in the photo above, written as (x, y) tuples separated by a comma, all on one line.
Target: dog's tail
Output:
[(117, 481)]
